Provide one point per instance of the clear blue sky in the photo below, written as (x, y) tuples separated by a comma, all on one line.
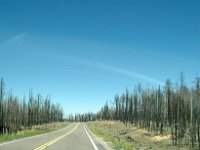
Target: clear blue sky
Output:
[(82, 53)]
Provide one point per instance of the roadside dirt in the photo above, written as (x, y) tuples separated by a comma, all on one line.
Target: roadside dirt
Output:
[(140, 138)]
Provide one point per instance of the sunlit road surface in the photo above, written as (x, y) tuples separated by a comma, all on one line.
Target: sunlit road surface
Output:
[(73, 137)]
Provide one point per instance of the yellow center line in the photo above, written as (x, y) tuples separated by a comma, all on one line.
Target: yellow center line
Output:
[(56, 139)]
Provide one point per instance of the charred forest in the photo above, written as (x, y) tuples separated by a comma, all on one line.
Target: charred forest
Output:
[(21, 114), (172, 109)]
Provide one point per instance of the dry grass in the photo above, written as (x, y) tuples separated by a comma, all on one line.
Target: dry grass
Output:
[(140, 138), (35, 130), (160, 138)]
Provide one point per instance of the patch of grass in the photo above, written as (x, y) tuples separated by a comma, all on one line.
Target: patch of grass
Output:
[(36, 130), (116, 144)]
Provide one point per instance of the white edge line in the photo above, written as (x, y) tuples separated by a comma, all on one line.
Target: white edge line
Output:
[(95, 147), (36, 136)]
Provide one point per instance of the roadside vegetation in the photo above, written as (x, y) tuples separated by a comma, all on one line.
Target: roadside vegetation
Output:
[(171, 111), (19, 116), (168, 110), (35, 130), (112, 141), (130, 137)]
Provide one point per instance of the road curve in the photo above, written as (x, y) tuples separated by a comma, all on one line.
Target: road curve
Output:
[(73, 137)]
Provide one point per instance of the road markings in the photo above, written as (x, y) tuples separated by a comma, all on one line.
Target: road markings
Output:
[(93, 144), (56, 139)]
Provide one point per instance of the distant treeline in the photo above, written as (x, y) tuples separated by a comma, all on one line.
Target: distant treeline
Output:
[(16, 114), (174, 109)]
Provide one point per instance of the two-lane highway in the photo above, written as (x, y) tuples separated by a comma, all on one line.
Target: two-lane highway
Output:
[(73, 137)]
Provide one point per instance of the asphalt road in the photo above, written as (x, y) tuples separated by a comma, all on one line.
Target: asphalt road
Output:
[(73, 137)]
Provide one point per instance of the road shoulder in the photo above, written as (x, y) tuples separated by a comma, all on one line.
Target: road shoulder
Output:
[(100, 143)]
